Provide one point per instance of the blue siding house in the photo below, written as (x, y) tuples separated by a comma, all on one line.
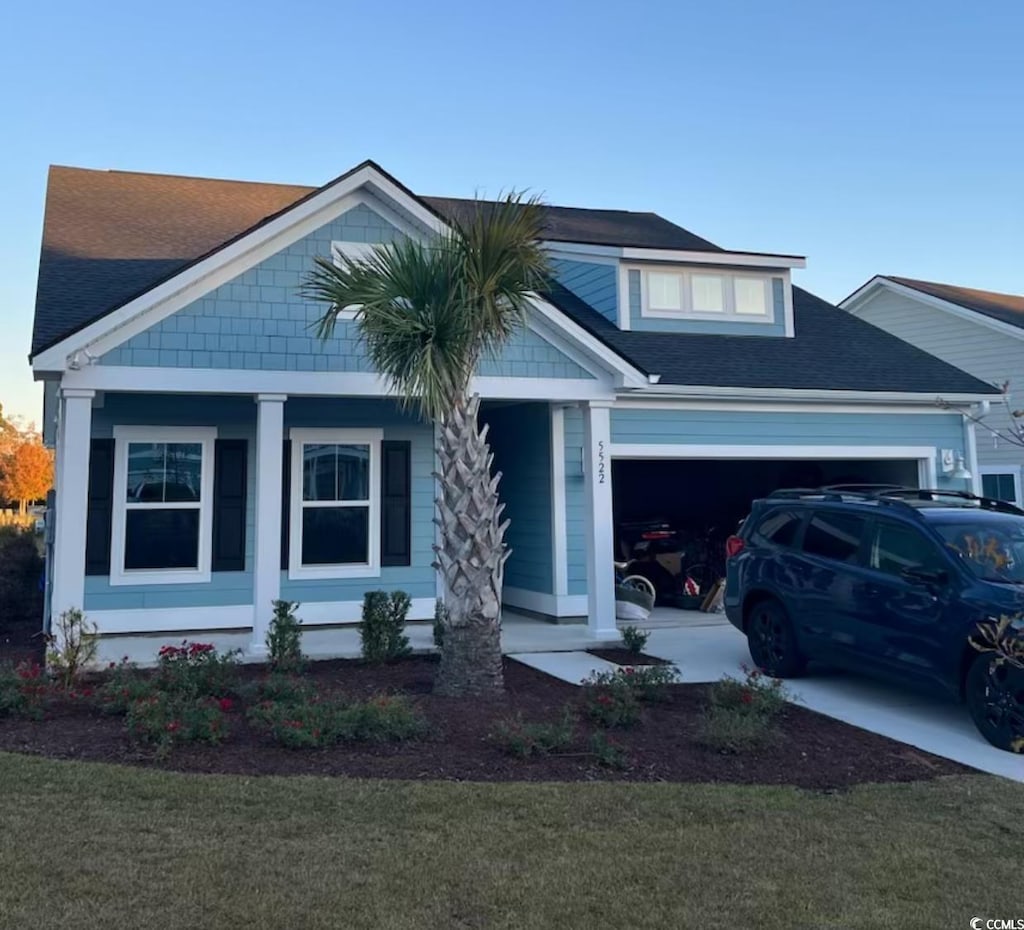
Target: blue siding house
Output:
[(212, 455)]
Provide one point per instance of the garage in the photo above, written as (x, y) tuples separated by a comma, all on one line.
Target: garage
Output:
[(673, 515)]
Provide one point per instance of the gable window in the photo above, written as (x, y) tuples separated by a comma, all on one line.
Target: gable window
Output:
[(707, 295), (163, 505), (335, 503)]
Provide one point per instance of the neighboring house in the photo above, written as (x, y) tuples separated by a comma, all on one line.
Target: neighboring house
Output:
[(212, 455), (980, 332)]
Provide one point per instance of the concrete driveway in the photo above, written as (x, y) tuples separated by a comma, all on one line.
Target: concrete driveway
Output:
[(706, 653)]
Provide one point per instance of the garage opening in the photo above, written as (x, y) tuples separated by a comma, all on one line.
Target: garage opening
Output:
[(703, 501)]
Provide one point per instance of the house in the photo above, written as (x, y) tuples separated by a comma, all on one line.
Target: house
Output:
[(980, 332), (212, 455)]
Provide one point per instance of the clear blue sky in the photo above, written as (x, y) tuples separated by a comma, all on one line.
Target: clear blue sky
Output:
[(871, 136)]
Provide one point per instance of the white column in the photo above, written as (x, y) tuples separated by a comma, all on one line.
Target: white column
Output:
[(72, 480), (269, 444), (597, 469), (559, 542), (971, 454)]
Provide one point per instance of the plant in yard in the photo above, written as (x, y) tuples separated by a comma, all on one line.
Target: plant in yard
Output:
[(743, 714), (71, 646), (278, 687), (648, 683), (634, 639), (609, 701), (428, 313), (284, 638), (607, 751), (24, 690), (439, 622), (756, 693), (123, 685), (515, 737), (163, 719), (197, 669), (382, 631)]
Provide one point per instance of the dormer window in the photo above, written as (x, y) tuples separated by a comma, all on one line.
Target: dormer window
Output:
[(707, 295)]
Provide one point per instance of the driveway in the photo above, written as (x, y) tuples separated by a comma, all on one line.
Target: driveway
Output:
[(706, 653)]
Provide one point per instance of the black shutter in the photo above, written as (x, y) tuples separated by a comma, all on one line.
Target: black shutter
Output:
[(101, 507), (229, 491), (396, 503), (286, 487)]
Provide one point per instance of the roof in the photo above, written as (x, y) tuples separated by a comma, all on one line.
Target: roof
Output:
[(831, 350), (109, 236), (1007, 308)]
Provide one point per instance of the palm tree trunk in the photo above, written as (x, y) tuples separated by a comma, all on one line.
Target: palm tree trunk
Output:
[(471, 556)]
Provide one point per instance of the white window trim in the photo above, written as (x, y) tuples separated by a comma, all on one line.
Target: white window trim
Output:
[(688, 313), (123, 435), (1013, 470), (353, 250), (365, 437)]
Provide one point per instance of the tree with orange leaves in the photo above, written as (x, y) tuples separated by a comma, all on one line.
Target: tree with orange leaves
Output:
[(27, 472)]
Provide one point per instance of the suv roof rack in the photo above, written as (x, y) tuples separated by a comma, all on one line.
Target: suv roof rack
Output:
[(890, 494)]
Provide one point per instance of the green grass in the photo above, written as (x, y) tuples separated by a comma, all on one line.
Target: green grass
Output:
[(86, 846)]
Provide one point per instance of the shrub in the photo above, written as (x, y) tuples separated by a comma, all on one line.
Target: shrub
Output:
[(383, 628), (515, 737), (124, 686), (742, 715), (163, 719), (21, 571), (318, 723), (24, 690), (440, 619), (280, 689), (609, 701), (634, 639), (756, 694), (284, 638), (608, 753), (71, 647), (648, 683), (197, 669)]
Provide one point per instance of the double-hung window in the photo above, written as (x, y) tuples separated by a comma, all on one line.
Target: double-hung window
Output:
[(708, 295), (335, 503), (163, 505)]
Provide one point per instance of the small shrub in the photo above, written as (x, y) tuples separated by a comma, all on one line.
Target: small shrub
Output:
[(607, 752), (515, 737), (71, 647), (24, 690), (164, 719), (382, 719), (284, 638), (440, 619), (383, 628), (727, 729), (609, 701), (124, 685), (197, 669), (21, 568), (634, 639), (280, 689), (756, 694), (648, 684)]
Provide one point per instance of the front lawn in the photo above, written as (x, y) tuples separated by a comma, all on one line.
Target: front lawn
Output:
[(90, 845)]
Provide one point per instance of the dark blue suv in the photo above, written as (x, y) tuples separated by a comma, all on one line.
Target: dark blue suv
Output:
[(888, 581)]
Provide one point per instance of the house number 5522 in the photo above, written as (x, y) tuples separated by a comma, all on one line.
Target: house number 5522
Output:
[(600, 462)]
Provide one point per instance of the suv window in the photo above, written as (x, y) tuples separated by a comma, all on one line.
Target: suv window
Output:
[(895, 547), (780, 527), (834, 535)]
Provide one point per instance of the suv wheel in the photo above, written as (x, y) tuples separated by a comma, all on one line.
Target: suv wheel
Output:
[(994, 693), (772, 642)]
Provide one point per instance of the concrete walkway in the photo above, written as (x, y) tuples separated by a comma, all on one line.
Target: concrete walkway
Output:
[(706, 653)]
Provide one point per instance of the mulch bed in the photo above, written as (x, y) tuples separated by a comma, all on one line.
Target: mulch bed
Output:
[(814, 751), (624, 657)]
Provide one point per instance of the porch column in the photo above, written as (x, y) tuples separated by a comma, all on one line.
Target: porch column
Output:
[(597, 483), (267, 561), (72, 480)]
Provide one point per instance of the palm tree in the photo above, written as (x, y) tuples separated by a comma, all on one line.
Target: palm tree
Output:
[(428, 313)]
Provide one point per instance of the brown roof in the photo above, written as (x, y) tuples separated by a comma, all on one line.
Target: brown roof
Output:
[(1007, 308)]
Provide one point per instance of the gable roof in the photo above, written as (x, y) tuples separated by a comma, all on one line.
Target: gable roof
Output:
[(831, 350), (1007, 308), (109, 236)]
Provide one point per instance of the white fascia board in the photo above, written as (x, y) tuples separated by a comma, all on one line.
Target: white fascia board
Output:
[(739, 259), (878, 397), (860, 297), (628, 375), (725, 405), (204, 276), (756, 451)]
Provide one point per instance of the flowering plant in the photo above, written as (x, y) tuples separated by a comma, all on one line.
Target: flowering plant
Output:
[(163, 719), (197, 669)]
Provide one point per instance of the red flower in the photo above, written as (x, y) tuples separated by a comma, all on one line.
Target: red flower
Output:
[(605, 700), (747, 697), (174, 726), (225, 704)]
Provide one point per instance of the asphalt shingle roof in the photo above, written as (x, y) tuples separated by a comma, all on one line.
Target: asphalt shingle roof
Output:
[(109, 236), (1007, 308)]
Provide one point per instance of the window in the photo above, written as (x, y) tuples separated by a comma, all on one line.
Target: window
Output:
[(895, 547), (834, 536), (706, 295), (335, 503), (1000, 484), (163, 496), (780, 527)]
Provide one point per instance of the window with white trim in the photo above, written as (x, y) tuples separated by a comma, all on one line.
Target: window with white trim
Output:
[(1001, 483), (335, 503), (163, 505), (354, 250), (707, 295)]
